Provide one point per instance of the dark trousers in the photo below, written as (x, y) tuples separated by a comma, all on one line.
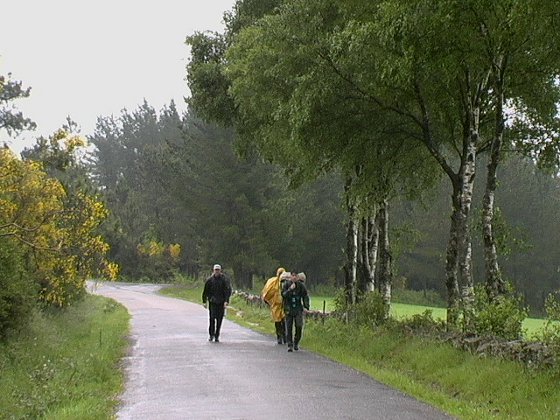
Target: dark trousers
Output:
[(216, 311), (280, 331), (291, 321)]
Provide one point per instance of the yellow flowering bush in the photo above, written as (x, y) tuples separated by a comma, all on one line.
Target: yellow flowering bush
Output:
[(57, 228), (158, 259)]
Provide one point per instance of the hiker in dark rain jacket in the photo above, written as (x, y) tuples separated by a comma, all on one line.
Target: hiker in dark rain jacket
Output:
[(217, 292), (296, 299)]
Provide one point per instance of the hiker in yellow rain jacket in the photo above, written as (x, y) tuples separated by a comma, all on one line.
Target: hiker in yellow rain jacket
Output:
[(272, 296)]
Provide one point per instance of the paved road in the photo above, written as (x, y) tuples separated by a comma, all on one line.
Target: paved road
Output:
[(173, 372)]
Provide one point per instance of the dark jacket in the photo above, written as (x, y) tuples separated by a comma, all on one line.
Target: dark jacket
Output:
[(295, 300), (216, 289)]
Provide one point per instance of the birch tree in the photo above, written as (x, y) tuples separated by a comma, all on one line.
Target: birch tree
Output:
[(452, 67), (293, 93), (518, 44)]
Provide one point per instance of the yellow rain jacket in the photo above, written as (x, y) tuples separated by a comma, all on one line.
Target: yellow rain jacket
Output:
[(272, 294)]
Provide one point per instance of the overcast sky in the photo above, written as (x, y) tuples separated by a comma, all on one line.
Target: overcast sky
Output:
[(85, 58)]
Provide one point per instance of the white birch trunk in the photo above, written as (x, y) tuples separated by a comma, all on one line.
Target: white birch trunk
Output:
[(495, 284), (366, 277), (459, 280), (451, 263), (458, 270), (351, 258), (373, 250), (351, 248), (385, 259), (466, 179)]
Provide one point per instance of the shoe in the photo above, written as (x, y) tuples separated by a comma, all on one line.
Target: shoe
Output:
[(290, 349), (211, 338), (296, 347), (216, 340), (279, 341)]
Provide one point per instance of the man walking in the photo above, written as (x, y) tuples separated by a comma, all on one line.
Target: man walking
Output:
[(217, 292), (295, 299)]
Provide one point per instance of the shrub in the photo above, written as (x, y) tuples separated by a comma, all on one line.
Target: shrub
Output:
[(552, 306), (423, 322), (369, 311), (340, 302), (17, 293), (551, 331), (502, 317)]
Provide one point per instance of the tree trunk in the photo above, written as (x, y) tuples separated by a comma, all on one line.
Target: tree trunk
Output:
[(458, 271), (494, 281), (451, 262), (466, 179), (459, 280), (366, 276), (385, 258), (373, 248), (351, 249), (495, 284), (351, 259), (361, 265)]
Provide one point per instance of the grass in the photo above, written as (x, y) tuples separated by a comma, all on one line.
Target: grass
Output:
[(459, 383), (65, 365), (532, 326), (463, 385)]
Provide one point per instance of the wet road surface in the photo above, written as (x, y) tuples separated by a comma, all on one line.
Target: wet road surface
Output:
[(173, 372)]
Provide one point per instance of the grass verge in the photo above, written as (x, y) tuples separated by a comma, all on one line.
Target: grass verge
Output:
[(64, 366), (463, 385)]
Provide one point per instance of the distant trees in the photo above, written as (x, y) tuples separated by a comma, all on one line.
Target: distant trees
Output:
[(127, 166), (172, 179)]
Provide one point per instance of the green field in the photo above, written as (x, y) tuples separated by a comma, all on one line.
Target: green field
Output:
[(403, 310)]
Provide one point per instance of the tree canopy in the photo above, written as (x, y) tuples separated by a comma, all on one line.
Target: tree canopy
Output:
[(11, 119), (385, 90)]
